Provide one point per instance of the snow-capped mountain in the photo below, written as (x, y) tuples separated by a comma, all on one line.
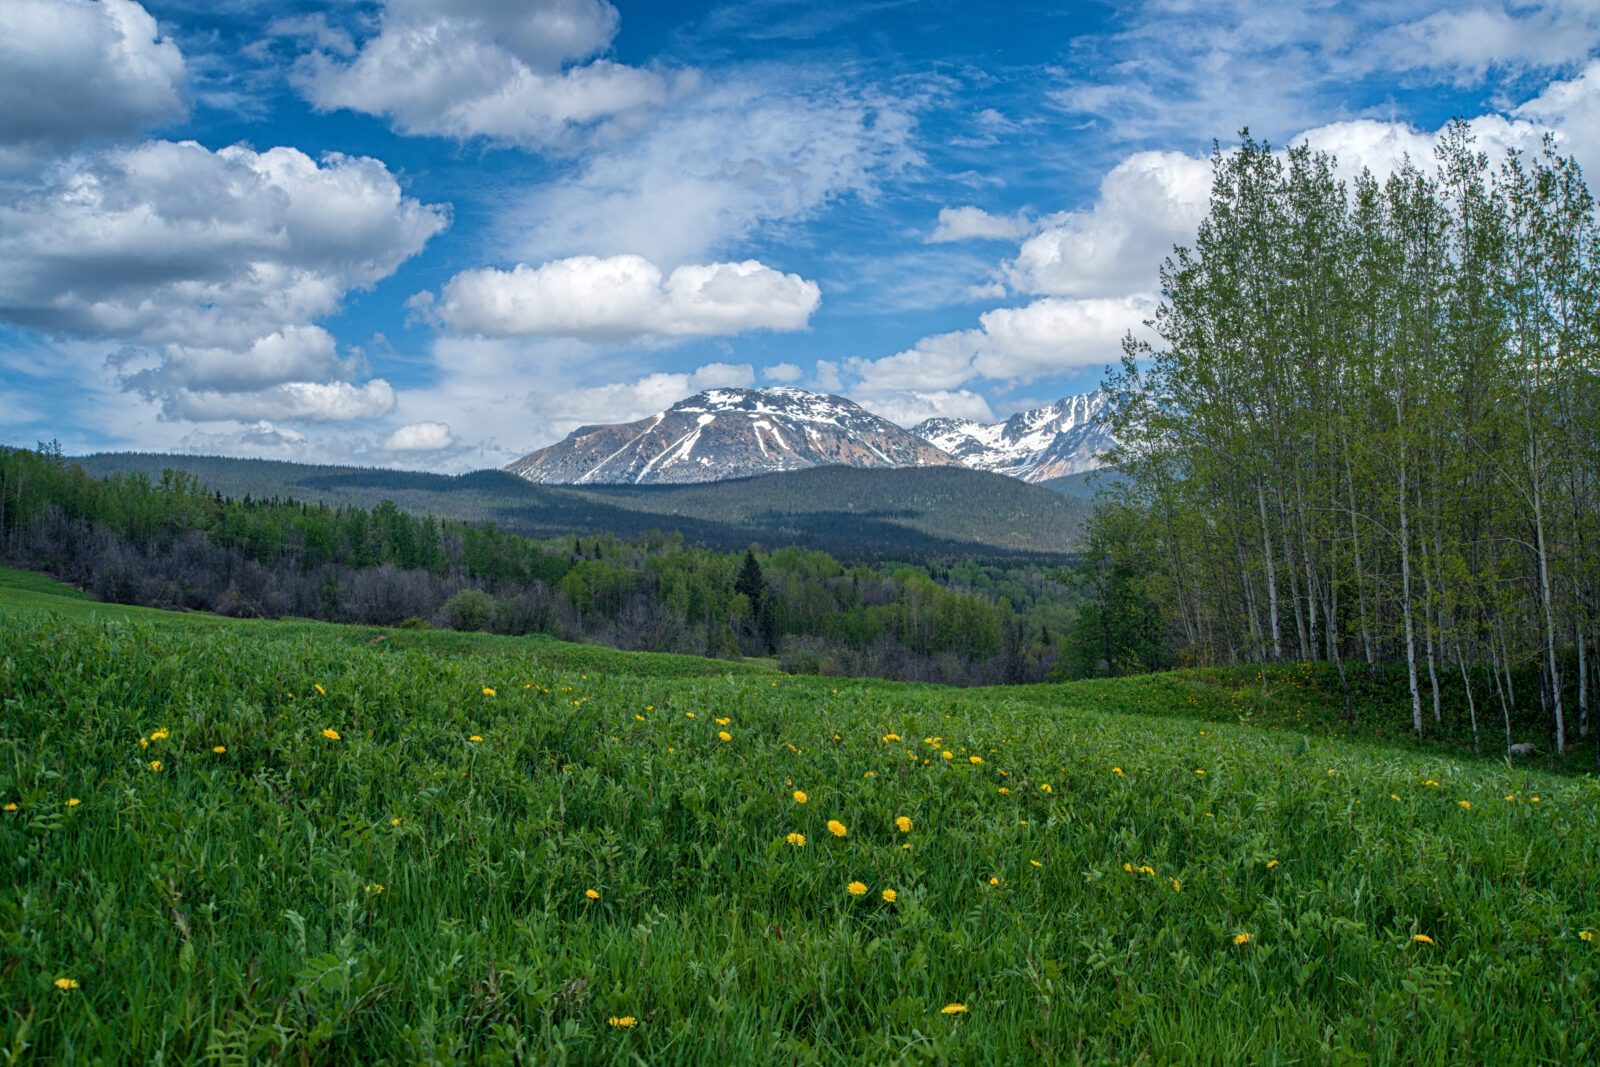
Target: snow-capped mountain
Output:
[(729, 433), (1049, 442)]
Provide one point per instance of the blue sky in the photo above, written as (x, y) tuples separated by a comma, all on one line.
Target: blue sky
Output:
[(439, 233)]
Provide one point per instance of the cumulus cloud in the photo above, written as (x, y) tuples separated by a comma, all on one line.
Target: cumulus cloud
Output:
[(638, 399), (420, 437), (782, 373), (624, 296), (970, 223), (216, 265), (79, 70), (519, 72), (1469, 41), (1572, 108), (753, 150)]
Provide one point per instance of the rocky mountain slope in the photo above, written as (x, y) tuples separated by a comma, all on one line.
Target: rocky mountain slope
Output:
[(729, 433), (1044, 443)]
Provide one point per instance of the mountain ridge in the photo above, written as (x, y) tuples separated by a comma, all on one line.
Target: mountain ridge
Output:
[(1036, 445)]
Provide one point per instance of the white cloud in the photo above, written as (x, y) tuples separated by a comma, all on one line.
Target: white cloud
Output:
[(782, 373), (1471, 41), (420, 437), (500, 69), (74, 70), (1055, 335), (630, 401), (624, 296), (754, 150), (1572, 108), (907, 407), (970, 223), (218, 262), (1147, 203)]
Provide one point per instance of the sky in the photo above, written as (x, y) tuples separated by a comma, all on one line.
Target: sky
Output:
[(438, 234)]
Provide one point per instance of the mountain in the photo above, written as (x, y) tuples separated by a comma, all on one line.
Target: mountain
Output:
[(910, 514), (729, 433), (1036, 446)]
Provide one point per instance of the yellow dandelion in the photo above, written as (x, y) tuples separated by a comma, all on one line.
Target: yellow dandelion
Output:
[(160, 735), (800, 796), (332, 734), (1464, 805), (395, 821), (592, 894), (837, 828), (1394, 796), (73, 802), (1533, 800), (1117, 771), (320, 691), (488, 692), (890, 896), (1271, 864), (724, 735), (475, 739), (1241, 938), (797, 840), (638, 718), (723, 721), (974, 760), (856, 889), (688, 715), (1422, 939), (1004, 790), (953, 1009), (144, 742), (1035, 863), (1146, 869), (1045, 788), (155, 765), (66, 985), (1128, 867), (219, 749), (1429, 782), (622, 1022), (1198, 771), (994, 881), (903, 823), (870, 774), (947, 754), (890, 739), (11, 807), (1586, 935), (1177, 886)]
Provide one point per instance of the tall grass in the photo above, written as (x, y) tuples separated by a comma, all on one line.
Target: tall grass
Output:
[(407, 893)]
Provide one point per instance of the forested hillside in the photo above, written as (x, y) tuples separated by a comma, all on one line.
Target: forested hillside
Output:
[(174, 542), (1369, 434), (909, 514)]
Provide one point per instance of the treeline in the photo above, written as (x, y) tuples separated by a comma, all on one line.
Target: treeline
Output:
[(171, 542), (1370, 434)]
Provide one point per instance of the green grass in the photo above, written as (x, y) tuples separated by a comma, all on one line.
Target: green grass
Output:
[(226, 906)]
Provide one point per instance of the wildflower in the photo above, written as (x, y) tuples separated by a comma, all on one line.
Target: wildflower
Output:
[(160, 735), (890, 739), (155, 765), (1148, 870), (144, 742), (66, 985), (1586, 935), (723, 721), (1004, 790), (724, 735), (1117, 771), (837, 828), (638, 718), (1422, 939), (475, 739), (1464, 805), (1241, 938), (1271, 864), (1533, 800), (870, 774), (1511, 798), (947, 754), (1128, 867), (1198, 771), (800, 796), (11, 807), (688, 715), (1208, 815), (622, 1022), (592, 894), (953, 1009), (1394, 796), (488, 692), (73, 802), (904, 824), (332, 734), (797, 840), (219, 749), (374, 888), (1430, 782), (395, 821), (1045, 788), (856, 889), (1177, 886), (1036, 863), (994, 881), (321, 692)]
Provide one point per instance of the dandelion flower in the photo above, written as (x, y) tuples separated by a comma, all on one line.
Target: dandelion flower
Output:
[(155, 765), (395, 821), (1271, 864), (592, 894), (947, 754), (488, 692), (870, 774), (1128, 867), (1464, 805), (1004, 790), (11, 807), (160, 735), (1430, 783), (974, 760), (475, 739), (723, 721), (1241, 938), (994, 881), (953, 1009), (1198, 771), (1533, 800), (320, 691), (1146, 869), (1177, 886), (688, 715), (800, 796), (1394, 796), (1045, 788), (1422, 939), (856, 889), (1586, 935), (638, 718), (332, 734), (724, 735), (890, 739), (1035, 863), (797, 840), (904, 824), (66, 985), (622, 1022), (1117, 771), (219, 749), (73, 802), (890, 896), (837, 828)]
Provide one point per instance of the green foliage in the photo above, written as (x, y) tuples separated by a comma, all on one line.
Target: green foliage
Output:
[(406, 893)]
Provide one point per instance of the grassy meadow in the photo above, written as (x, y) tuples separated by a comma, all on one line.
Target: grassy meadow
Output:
[(235, 842)]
